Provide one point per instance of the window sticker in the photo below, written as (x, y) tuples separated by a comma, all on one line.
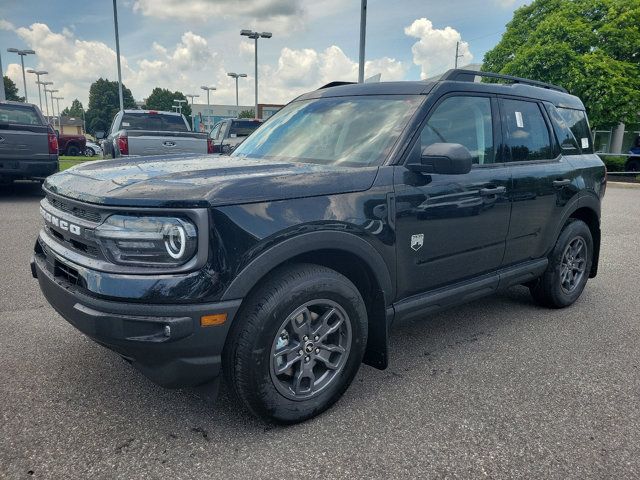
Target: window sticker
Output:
[(519, 121), (126, 124), (584, 142)]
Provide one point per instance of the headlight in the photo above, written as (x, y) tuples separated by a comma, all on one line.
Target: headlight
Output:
[(147, 241)]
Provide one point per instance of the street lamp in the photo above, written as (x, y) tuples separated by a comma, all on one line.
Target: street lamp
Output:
[(236, 76), (255, 36), (363, 35), (179, 102), (38, 73), (115, 26), (44, 87), (191, 96), (57, 99), (53, 110), (22, 54), (208, 89)]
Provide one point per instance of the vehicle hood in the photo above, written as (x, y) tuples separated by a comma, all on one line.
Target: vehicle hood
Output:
[(199, 181)]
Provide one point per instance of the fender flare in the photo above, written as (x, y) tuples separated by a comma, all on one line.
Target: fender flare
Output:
[(278, 254)]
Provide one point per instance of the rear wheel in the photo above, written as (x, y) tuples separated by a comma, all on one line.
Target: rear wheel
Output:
[(569, 267), (297, 343), (73, 151), (89, 152)]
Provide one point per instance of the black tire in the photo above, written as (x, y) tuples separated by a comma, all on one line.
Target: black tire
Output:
[(89, 152), (552, 289), (249, 361), (633, 165), (73, 151)]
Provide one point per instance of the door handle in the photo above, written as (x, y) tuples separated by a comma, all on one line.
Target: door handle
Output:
[(492, 191), (561, 183)]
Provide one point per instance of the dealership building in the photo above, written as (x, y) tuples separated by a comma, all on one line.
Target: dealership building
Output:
[(204, 117)]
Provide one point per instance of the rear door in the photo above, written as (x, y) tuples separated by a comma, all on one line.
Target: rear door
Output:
[(544, 181), (23, 135)]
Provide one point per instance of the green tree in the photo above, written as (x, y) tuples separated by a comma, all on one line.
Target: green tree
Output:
[(163, 99), (75, 110), (104, 104), (590, 47), (246, 114), (11, 90)]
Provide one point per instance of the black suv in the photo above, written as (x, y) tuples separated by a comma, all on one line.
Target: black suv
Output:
[(356, 206)]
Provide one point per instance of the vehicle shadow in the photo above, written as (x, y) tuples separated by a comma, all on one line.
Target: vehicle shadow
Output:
[(23, 190)]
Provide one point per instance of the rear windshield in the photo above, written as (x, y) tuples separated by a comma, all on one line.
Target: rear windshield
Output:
[(19, 114), (157, 122), (243, 128), (577, 122)]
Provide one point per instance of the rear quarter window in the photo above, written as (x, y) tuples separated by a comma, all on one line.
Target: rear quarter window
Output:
[(577, 122), (156, 122), (243, 128), (20, 115)]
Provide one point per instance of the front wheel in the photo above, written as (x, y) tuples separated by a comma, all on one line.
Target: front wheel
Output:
[(568, 270), (89, 152), (297, 343)]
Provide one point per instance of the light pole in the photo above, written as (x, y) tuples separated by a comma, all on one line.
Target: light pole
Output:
[(191, 96), (37, 74), (22, 54), (237, 76), (179, 102), (255, 36), (3, 95), (208, 89), (363, 35), (57, 99), (53, 110), (115, 24), (44, 87)]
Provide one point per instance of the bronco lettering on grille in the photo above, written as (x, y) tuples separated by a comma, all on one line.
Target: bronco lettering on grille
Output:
[(59, 223)]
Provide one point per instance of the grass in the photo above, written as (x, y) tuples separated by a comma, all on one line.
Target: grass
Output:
[(67, 162)]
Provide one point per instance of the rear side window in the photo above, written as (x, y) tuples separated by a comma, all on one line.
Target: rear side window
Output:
[(17, 114), (526, 133), (567, 140), (153, 121), (465, 120), (577, 121), (243, 128)]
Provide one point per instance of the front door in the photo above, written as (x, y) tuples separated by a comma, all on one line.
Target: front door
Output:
[(453, 227)]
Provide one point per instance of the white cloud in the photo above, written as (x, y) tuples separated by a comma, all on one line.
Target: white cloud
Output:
[(436, 48), (6, 25)]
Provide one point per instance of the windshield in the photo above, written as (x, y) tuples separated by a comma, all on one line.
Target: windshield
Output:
[(358, 131), (154, 121)]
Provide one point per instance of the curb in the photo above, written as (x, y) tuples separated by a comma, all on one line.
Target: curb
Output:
[(622, 184)]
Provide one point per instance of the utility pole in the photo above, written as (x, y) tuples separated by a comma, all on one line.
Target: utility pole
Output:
[(457, 56), (207, 89), (115, 23), (22, 54), (3, 95), (38, 73), (363, 35), (44, 87), (236, 76)]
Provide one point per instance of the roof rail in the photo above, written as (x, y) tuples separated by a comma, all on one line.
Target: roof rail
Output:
[(460, 75), (335, 84)]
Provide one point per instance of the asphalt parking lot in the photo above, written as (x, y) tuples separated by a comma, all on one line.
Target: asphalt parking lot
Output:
[(499, 388)]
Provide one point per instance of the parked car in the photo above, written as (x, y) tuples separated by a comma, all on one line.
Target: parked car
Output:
[(72, 145), (92, 149), (228, 134), (284, 265), (28, 144), (151, 132)]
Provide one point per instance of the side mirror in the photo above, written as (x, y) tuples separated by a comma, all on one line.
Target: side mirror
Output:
[(99, 134), (445, 158)]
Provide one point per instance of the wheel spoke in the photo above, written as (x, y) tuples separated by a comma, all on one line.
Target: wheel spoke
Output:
[(323, 357), (302, 326), (290, 362), (331, 348), (325, 328), (305, 372)]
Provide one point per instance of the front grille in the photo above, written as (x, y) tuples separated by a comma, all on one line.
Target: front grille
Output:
[(75, 210), (79, 245), (67, 273)]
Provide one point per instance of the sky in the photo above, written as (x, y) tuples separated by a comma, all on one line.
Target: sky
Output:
[(183, 44)]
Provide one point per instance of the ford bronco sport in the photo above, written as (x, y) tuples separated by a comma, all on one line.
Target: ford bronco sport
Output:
[(284, 265)]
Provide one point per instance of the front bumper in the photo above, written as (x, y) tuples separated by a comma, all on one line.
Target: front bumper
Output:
[(28, 168), (165, 342)]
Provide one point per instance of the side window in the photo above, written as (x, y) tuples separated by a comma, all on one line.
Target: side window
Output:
[(576, 120), (223, 128), (214, 132), (115, 124), (567, 140), (526, 133), (465, 120)]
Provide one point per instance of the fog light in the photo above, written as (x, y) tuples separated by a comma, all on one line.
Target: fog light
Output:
[(212, 320)]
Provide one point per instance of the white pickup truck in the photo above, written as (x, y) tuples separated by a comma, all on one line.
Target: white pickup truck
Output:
[(152, 132)]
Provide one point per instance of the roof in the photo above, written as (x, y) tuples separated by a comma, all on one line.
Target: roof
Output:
[(461, 80), (163, 112), (22, 104)]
